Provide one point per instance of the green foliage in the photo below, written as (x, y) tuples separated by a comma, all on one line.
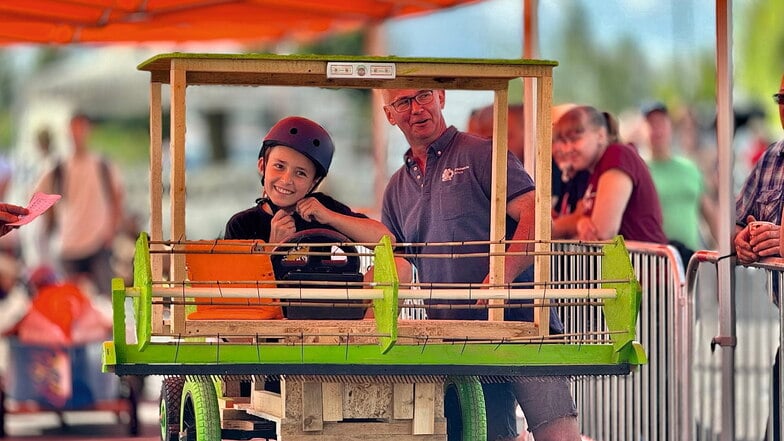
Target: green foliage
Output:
[(124, 141), (759, 52), (342, 44), (6, 131)]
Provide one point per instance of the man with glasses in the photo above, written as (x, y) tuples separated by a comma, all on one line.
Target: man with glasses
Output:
[(442, 194), (760, 199)]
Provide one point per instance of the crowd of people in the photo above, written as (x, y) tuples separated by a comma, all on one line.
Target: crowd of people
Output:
[(602, 187)]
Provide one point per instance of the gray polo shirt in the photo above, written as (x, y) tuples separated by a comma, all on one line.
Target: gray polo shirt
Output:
[(450, 202)]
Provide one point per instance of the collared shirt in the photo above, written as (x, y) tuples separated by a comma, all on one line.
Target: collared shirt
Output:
[(450, 202), (761, 195)]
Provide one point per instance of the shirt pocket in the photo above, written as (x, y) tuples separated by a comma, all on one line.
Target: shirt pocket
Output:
[(455, 203), (769, 206)]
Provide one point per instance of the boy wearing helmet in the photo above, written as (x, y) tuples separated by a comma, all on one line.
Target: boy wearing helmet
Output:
[(294, 158)]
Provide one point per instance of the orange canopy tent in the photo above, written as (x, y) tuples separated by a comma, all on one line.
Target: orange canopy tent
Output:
[(128, 21)]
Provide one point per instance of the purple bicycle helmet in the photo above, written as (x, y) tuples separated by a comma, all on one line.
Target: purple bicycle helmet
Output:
[(304, 136)]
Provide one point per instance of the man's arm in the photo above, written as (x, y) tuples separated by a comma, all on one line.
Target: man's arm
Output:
[(521, 209)]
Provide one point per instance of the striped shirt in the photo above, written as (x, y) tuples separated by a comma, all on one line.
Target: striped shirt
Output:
[(761, 195)]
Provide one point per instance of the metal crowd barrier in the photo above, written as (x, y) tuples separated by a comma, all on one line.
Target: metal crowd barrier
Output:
[(677, 395), (758, 333), (648, 404)]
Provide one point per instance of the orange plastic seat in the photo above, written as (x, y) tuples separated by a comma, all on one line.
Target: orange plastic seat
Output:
[(231, 261)]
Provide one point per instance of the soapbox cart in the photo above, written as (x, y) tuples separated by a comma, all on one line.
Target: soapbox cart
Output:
[(231, 371)]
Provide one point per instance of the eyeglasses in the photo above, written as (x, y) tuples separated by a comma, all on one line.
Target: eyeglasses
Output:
[(404, 104), (778, 98)]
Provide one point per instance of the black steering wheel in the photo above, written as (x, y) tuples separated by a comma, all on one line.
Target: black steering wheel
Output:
[(336, 257), (336, 261)]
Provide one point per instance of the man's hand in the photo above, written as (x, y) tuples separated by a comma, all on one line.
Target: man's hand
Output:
[(764, 238), (9, 213), (748, 247)]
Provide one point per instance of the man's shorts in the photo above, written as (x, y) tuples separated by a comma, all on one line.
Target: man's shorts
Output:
[(543, 399)]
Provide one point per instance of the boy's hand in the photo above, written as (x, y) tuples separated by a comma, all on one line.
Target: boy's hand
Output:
[(313, 211), (281, 226)]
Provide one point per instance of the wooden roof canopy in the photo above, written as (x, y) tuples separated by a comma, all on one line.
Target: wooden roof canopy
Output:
[(134, 21)]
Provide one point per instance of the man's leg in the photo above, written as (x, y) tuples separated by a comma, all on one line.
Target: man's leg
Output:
[(499, 412), (549, 408), (500, 405)]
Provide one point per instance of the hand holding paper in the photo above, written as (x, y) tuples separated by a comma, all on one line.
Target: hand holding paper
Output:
[(14, 216)]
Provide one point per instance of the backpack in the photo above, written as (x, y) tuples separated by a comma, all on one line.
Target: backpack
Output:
[(57, 186), (106, 179)]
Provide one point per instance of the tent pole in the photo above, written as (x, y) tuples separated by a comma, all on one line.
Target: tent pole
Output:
[(724, 127)]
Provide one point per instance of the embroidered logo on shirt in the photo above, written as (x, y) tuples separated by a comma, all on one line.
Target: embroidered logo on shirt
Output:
[(449, 173)]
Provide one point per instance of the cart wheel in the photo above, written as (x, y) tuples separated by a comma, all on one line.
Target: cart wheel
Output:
[(199, 415), (471, 402), (169, 408)]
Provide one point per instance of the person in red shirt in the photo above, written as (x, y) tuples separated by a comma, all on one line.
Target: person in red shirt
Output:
[(621, 197)]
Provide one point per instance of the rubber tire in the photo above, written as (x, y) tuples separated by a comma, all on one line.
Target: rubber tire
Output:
[(169, 407), (471, 400), (199, 414)]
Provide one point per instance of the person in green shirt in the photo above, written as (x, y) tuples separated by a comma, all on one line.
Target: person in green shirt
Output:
[(680, 185)]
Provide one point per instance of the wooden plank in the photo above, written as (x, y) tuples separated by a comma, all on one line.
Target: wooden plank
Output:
[(498, 199), (424, 409), (230, 388), (332, 396), (312, 420), (225, 403), (543, 221), (177, 185), (235, 414), (403, 401), (244, 424), (401, 430), (313, 71), (358, 331), (156, 196), (268, 403), (367, 400)]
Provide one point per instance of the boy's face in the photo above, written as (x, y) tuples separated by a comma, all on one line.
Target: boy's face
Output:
[(288, 175)]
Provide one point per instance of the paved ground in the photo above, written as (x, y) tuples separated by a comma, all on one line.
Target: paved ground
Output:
[(81, 426)]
